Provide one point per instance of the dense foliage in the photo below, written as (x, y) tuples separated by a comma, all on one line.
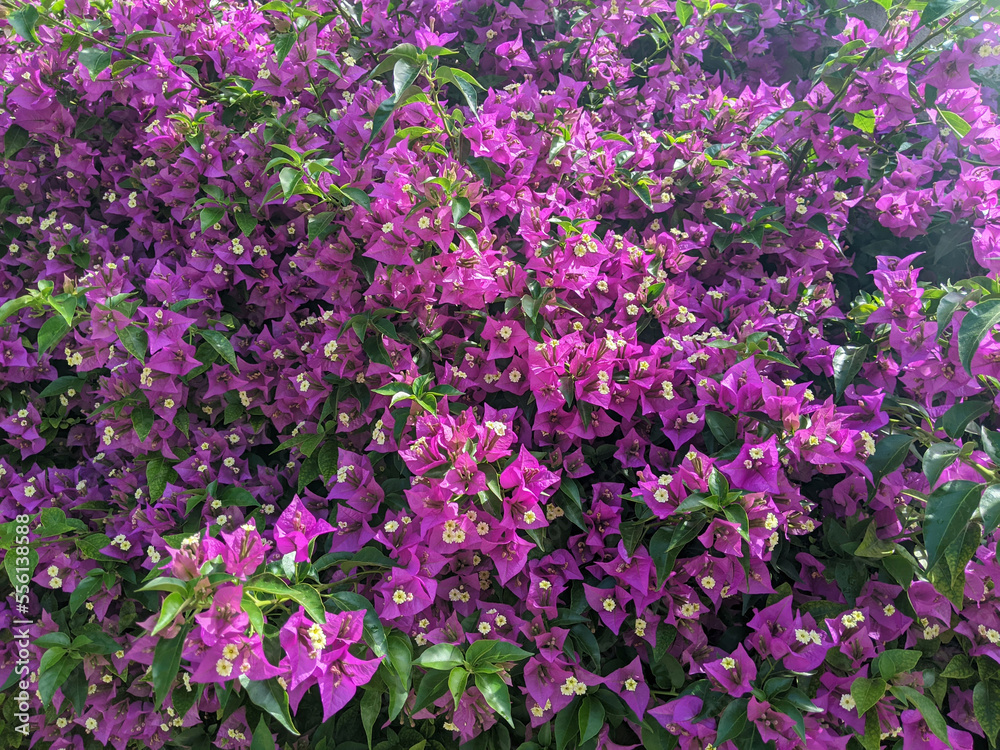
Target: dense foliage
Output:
[(533, 374)]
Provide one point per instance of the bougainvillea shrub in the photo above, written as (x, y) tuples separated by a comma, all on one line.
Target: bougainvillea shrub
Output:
[(507, 375)]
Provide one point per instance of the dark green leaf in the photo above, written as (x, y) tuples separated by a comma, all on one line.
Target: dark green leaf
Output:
[(591, 718), (959, 668), (733, 720), (157, 472), (222, 345), (867, 691), (937, 458), (989, 508), (61, 385), (889, 456), (926, 707), (986, 704), (358, 196), (496, 694), (946, 310), (432, 686), (142, 421), (723, 428), (283, 44), (270, 696), (210, 216), (166, 663), (51, 333), (976, 324), (245, 221), (95, 61), (14, 140), (83, 591), (949, 509), (847, 363), (262, 737), (135, 341), (957, 418), (24, 21), (52, 678)]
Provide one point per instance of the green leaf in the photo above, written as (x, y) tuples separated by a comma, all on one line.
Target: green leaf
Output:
[(733, 720), (976, 324), (271, 697), (142, 421), (460, 208), (986, 704), (346, 601), (157, 472), (11, 306), (684, 12), (245, 221), (358, 196), (948, 576), (166, 663), (24, 21), (371, 706), (210, 216), (949, 509), (991, 444), (262, 737), (83, 591), (946, 310), (283, 44), (737, 514), (591, 718), (466, 85), (404, 74), (442, 656), (867, 691), (495, 693), (14, 140), (847, 363), (641, 191), (959, 668), (722, 427), (52, 678), (171, 606), (222, 345), (95, 61), (51, 333), (957, 418), (494, 652), (865, 121), (936, 9), (432, 686), (926, 707), (889, 455), (135, 341), (457, 680), (61, 385), (989, 508), (937, 458)]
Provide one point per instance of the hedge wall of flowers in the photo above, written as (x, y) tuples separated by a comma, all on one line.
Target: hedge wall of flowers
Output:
[(536, 374)]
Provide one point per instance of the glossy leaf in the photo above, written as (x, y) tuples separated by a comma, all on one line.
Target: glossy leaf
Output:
[(949, 509), (977, 323)]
